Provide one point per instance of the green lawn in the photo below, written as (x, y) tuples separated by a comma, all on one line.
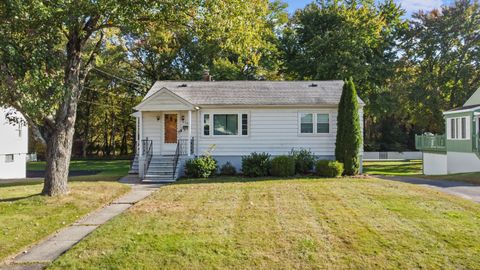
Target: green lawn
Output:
[(287, 224), (112, 169), (400, 168), (27, 217)]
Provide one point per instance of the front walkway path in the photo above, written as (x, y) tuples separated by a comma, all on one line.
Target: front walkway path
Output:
[(38, 256), (461, 189)]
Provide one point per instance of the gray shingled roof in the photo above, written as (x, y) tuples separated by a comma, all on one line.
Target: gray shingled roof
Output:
[(254, 92)]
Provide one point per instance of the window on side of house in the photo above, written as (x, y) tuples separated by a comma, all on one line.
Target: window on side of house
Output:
[(206, 124), (452, 128), (464, 128), (225, 124), (306, 123), (244, 124), (9, 158), (323, 123)]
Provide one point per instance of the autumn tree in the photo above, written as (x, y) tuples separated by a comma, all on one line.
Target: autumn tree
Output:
[(46, 52)]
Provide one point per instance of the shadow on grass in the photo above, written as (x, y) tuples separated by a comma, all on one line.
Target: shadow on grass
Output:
[(37, 181), (241, 179), (19, 198)]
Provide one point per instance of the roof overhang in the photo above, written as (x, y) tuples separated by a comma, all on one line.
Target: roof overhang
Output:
[(148, 100), (462, 110)]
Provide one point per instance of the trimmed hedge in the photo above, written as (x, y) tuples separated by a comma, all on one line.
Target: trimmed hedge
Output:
[(327, 168), (282, 166), (304, 160), (201, 167), (228, 169), (256, 164)]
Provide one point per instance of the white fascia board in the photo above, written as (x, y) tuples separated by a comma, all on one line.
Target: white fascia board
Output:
[(461, 111)]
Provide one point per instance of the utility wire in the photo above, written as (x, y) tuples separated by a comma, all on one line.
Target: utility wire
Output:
[(105, 92), (120, 78)]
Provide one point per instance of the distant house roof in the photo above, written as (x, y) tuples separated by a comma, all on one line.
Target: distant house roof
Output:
[(254, 92), (463, 109)]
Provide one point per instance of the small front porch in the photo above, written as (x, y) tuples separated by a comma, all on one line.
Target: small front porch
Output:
[(164, 141)]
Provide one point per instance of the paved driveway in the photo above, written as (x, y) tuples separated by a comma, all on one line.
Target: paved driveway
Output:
[(461, 189)]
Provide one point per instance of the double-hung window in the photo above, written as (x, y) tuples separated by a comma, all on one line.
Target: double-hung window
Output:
[(458, 128), (217, 124), (314, 123)]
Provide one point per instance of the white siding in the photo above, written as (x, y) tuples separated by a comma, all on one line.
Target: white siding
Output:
[(12, 142), (271, 130), (275, 131), (462, 162), (164, 101), (434, 164), (153, 128)]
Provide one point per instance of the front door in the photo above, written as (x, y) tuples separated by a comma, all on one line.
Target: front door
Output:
[(170, 121), (170, 132)]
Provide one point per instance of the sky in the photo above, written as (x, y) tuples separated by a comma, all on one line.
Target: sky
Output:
[(410, 6)]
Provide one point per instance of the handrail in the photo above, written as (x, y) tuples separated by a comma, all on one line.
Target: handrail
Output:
[(192, 145), (430, 142), (182, 149), (147, 151), (175, 159)]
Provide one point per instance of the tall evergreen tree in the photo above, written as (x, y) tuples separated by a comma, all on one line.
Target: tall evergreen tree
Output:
[(339, 144), (350, 133)]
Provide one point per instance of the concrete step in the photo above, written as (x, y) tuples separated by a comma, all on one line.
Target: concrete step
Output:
[(161, 162), (150, 175), (158, 180)]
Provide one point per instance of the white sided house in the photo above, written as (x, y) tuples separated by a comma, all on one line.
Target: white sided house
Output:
[(230, 119), (13, 144)]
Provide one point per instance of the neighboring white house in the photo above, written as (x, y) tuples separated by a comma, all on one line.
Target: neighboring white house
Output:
[(178, 120), (13, 144)]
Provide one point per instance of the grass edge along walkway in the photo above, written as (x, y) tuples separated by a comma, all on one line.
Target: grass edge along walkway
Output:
[(53, 246)]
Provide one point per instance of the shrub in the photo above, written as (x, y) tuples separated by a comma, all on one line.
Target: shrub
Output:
[(328, 168), (228, 169), (304, 160), (256, 164), (282, 166), (201, 167)]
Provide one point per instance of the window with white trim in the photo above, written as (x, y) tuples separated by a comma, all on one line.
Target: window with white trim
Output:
[(314, 123), (458, 128), (323, 123), (306, 123), (217, 124)]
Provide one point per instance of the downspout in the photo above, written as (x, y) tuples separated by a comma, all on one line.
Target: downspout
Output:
[(197, 130)]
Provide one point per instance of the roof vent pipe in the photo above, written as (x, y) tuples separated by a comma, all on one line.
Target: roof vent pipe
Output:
[(206, 76)]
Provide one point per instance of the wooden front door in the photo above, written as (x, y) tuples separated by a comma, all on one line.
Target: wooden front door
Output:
[(170, 128)]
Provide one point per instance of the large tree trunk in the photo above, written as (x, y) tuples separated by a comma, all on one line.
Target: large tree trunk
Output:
[(59, 149), (60, 133)]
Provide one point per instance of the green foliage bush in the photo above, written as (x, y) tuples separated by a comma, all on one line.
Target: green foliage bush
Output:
[(228, 169), (256, 164), (304, 160), (327, 168), (282, 166), (201, 167)]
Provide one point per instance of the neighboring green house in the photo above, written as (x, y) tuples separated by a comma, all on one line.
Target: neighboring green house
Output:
[(459, 150)]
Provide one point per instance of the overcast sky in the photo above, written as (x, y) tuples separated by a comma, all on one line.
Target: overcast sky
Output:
[(409, 5)]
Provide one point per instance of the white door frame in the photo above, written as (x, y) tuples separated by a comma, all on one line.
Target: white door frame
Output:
[(168, 148)]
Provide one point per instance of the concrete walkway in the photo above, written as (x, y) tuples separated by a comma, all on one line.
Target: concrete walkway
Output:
[(45, 252), (461, 189)]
